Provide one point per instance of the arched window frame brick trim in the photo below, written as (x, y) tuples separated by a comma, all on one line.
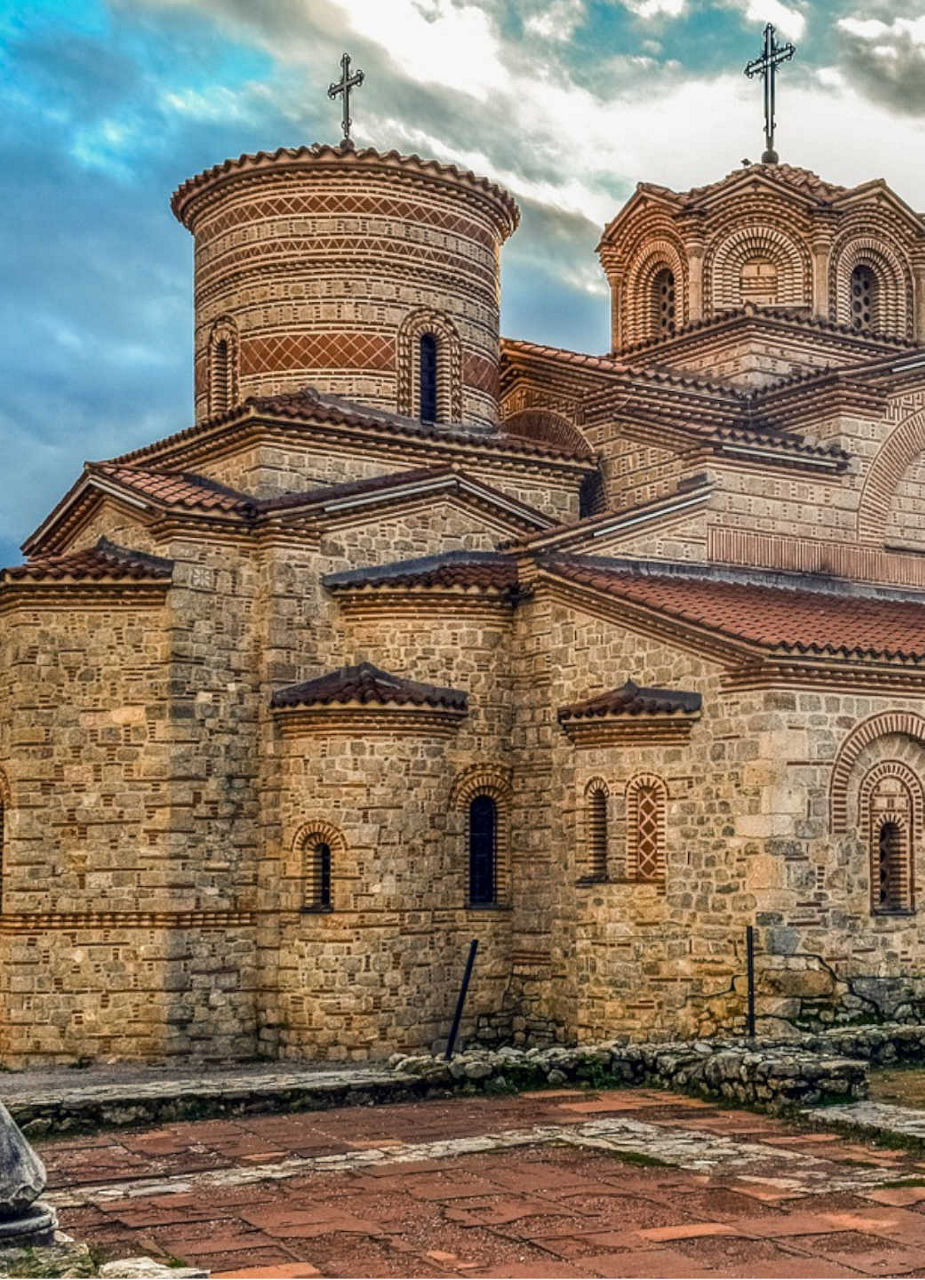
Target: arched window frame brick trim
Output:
[(449, 365), (596, 841), (307, 838), (895, 282), (492, 781), (902, 446), (224, 330), (728, 253), (906, 723), (638, 784), (661, 255), (910, 826)]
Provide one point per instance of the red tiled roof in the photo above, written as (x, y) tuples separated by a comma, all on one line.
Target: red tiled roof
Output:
[(345, 154), (771, 617), (369, 685), (631, 700), (487, 569), (314, 406), (788, 174), (175, 488), (104, 561)]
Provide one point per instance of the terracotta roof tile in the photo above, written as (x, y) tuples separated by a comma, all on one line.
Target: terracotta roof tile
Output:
[(367, 157), (369, 685), (631, 700), (309, 405), (486, 569), (176, 488), (771, 617), (103, 561)]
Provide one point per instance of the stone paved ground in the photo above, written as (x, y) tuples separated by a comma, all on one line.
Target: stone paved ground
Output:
[(553, 1183)]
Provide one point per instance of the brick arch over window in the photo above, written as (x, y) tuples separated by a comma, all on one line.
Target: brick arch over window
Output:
[(894, 458), (449, 365), (727, 256), (646, 828), (308, 865), (223, 365), (548, 426), (492, 781), (894, 311), (596, 829), (907, 723), (640, 306), (891, 795)]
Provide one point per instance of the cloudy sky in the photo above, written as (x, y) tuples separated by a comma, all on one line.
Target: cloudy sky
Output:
[(106, 105)]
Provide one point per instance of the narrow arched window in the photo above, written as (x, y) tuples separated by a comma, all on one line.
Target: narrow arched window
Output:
[(2, 837), (646, 805), (483, 848), (597, 833), (891, 818), (220, 374), (428, 388), (663, 303), (317, 874), (863, 299)]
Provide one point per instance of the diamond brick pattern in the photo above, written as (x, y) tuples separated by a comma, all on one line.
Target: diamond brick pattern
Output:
[(317, 351)]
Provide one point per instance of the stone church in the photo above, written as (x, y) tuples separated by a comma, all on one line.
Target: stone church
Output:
[(419, 635)]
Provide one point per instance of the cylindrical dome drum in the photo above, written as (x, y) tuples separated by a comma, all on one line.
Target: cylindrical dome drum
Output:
[(371, 276)]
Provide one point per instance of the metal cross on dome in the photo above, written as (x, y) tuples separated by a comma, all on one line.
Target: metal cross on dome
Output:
[(766, 66), (343, 86)]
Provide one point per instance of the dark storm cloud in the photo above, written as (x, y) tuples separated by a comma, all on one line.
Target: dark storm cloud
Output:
[(887, 65)]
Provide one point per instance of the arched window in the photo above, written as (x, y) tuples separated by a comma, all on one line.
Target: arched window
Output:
[(316, 873), (223, 391), (863, 299), (646, 806), (890, 818), (663, 303), (483, 848), (597, 832), (428, 390), (2, 837), (758, 282)]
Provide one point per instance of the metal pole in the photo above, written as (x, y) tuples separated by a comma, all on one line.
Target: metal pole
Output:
[(461, 1002), (750, 966)]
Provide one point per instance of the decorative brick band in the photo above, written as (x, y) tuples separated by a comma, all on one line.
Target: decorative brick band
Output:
[(808, 555), (907, 723), (46, 921)]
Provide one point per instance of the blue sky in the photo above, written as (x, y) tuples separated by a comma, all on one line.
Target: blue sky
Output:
[(106, 106)]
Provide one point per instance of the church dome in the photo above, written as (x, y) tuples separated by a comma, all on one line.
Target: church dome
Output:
[(364, 274)]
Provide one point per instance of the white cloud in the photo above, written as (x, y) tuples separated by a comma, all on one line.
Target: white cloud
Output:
[(657, 8), (789, 21), (556, 21)]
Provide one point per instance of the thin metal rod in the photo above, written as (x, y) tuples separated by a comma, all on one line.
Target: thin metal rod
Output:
[(750, 969), (461, 1002)]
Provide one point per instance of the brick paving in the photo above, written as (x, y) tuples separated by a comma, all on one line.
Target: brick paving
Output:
[(553, 1183)]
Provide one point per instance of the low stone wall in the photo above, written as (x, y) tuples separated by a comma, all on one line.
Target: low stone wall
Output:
[(774, 1078)]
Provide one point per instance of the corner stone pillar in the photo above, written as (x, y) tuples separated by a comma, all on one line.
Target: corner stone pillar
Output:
[(695, 252), (616, 280), (822, 249)]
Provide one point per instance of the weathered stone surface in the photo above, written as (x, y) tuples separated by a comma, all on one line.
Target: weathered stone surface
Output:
[(22, 1174)]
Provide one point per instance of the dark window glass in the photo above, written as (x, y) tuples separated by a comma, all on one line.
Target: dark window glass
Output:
[(428, 378), (483, 835), (323, 875), (889, 863), (863, 298), (221, 378)]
